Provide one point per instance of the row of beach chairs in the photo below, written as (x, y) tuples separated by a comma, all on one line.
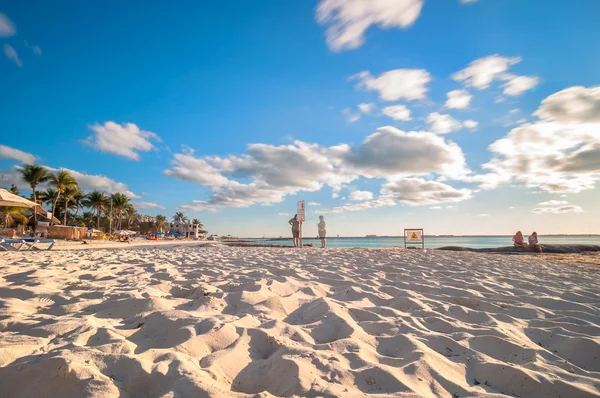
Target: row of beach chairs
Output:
[(26, 244)]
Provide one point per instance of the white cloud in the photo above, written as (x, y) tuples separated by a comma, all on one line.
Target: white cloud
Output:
[(124, 140), (350, 115), (7, 152), (575, 104), (366, 108), (147, 205), (372, 204), (482, 215), (468, 1), (7, 28), (392, 153), (436, 207), (443, 124), (418, 192), (270, 173), (12, 54), (360, 195), (314, 204), (558, 209), (470, 124), (554, 203), (560, 153), (284, 214), (517, 85), (397, 112), (347, 20), (458, 99), (409, 84), (482, 72)]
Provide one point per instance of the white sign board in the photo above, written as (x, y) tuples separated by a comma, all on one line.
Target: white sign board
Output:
[(414, 236), (301, 211)]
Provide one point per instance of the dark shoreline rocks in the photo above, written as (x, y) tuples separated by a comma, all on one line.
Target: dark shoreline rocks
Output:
[(557, 249)]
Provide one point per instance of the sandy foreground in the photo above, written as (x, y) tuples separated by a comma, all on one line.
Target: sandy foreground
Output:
[(216, 321)]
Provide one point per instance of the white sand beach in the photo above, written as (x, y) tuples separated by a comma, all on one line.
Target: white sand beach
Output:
[(216, 321)]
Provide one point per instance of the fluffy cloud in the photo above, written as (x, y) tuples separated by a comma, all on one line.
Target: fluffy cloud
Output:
[(347, 20), (270, 173), (397, 112), (7, 28), (314, 204), (124, 140), (12, 54), (468, 1), (360, 195), (417, 192), (443, 124), (147, 205), (391, 153), (517, 85), (559, 153), (366, 108), (574, 104), (482, 72), (12, 153), (458, 99), (470, 124), (409, 84)]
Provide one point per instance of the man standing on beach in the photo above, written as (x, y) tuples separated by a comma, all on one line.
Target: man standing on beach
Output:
[(295, 229)]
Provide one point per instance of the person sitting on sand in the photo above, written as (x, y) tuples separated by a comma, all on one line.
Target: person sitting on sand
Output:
[(295, 229), (533, 242), (322, 231), (519, 240)]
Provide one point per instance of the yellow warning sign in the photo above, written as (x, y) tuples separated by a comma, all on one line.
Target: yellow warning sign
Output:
[(414, 236)]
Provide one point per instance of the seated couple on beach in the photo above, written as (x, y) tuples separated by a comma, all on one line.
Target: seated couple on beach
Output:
[(533, 241)]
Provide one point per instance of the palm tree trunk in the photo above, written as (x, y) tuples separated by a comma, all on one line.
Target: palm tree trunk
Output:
[(66, 210), (98, 217), (54, 207), (34, 211)]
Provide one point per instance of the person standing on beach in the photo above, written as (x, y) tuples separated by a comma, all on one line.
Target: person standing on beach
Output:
[(322, 225), (295, 229)]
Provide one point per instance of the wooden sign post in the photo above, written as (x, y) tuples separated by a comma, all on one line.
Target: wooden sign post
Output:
[(301, 212)]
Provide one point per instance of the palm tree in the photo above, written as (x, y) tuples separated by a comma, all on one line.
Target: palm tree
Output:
[(119, 203), (130, 215), (179, 215), (12, 215), (34, 174), (161, 222), (62, 181), (97, 201), (78, 200), (69, 195), (48, 196), (14, 189), (196, 221)]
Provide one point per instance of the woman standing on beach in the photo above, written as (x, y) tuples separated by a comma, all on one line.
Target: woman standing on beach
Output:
[(322, 225), (295, 229)]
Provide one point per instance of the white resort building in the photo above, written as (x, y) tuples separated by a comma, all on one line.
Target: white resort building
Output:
[(186, 230)]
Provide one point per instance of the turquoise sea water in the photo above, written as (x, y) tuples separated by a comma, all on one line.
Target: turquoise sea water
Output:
[(433, 242)]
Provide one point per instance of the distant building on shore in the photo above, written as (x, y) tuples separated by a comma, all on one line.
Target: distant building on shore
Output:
[(186, 230), (143, 218), (371, 236)]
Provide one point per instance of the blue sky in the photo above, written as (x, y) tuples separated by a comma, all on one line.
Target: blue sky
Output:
[(344, 103)]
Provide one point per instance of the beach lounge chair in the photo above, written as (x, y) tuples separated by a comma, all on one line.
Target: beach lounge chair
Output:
[(25, 244)]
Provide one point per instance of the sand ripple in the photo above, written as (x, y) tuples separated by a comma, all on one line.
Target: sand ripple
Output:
[(222, 321)]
